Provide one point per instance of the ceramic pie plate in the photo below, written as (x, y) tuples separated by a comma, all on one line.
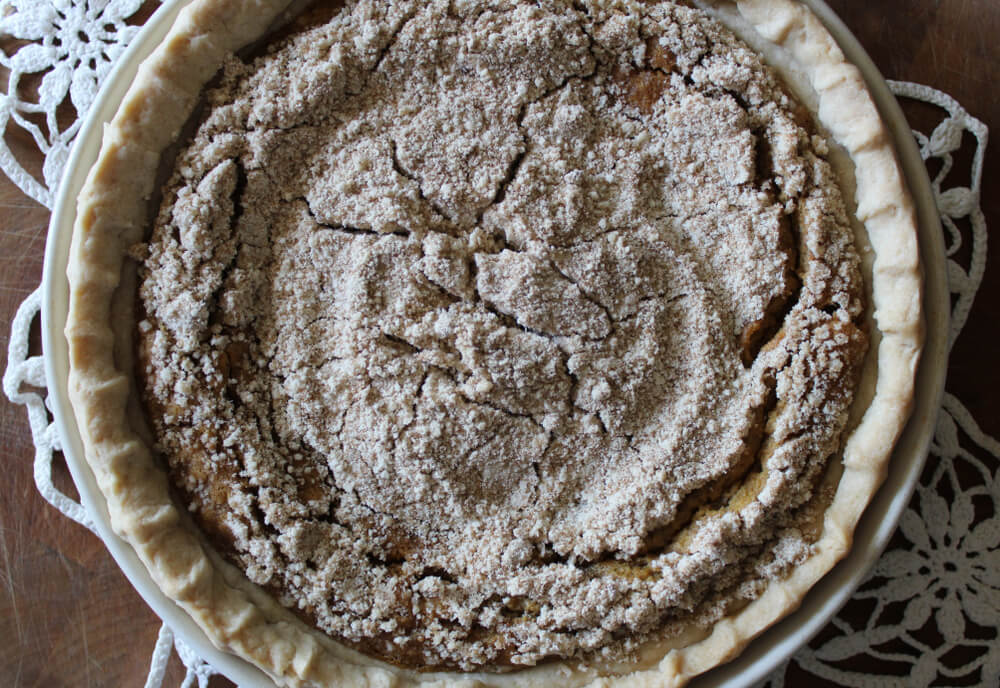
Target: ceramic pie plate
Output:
[(765, 652)]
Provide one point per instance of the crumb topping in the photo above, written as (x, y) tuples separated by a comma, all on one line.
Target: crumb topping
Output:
[(482, 333)]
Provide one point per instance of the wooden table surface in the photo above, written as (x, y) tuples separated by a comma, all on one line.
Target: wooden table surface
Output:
[(68, 617)]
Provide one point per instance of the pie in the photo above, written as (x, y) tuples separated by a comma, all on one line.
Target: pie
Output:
[(555, 343)]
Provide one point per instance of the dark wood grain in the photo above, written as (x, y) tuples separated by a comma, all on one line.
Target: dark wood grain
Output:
[(68, 617)]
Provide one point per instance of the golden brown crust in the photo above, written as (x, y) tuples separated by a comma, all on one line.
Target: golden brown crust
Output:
[(111, 213)]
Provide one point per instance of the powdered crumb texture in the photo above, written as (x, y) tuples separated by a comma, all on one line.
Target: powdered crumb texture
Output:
[(483, 333)]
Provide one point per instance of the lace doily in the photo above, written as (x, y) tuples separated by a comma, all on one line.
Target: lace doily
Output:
[(929, 611), (74, 43)]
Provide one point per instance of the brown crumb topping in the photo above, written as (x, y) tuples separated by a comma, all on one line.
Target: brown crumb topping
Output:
[(483, 333)]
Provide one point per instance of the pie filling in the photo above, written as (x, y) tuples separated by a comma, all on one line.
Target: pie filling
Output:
[(485, 333)]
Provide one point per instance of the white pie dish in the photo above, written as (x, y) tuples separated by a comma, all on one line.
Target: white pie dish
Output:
[(767, 651)]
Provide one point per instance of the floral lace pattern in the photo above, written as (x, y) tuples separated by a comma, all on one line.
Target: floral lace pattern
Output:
[(940, 586), (929, 612), (74, 44)]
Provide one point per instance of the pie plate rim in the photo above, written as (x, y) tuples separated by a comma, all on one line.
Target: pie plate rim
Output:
[(765, 652)]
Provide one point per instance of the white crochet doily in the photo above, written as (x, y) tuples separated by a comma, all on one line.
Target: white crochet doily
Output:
[(931, 606)]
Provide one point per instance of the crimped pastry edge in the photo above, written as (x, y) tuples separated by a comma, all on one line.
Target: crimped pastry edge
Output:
[(239, 617)]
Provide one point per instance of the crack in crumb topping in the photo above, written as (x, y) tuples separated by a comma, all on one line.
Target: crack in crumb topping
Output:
[(482, 333)]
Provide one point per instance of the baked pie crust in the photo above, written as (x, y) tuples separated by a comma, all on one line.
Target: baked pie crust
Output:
[(508, 497)]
